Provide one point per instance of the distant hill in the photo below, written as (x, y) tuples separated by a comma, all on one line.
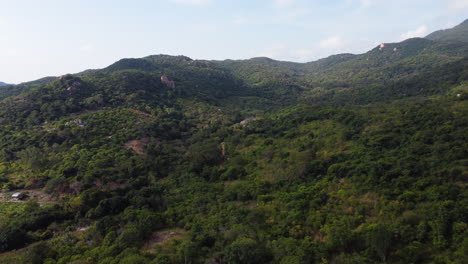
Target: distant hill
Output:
[(395, 71), (398, 70), (8, 90), (409, 68), (3, 84), (457, 33)]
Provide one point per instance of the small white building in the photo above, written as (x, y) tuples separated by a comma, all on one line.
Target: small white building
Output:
[(16, 195)]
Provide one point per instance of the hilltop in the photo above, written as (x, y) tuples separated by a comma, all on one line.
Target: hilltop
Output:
[(457, 33)]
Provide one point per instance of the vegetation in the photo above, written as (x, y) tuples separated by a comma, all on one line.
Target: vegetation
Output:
[(458, 33), (351, 159), (7, 90)]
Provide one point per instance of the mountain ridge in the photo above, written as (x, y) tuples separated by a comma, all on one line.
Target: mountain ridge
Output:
[(320, 81), (457, 33)]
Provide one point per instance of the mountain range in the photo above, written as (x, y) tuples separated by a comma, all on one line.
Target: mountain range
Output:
[(165, 159), (338, 79)]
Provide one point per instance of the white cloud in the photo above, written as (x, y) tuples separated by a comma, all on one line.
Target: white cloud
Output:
[(293, 16), (12, 52), (204, 27), (3, 24), (240, 20), (191, 2), (458, 4), (284, 3), (87, 48), (365, 3), (334, 42), (362, 3), (419, 32)]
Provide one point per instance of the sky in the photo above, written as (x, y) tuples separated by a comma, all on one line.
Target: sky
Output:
[(55, 37)]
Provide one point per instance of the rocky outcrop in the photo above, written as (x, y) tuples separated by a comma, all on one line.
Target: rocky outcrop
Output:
[(246, 121), (137, 145), (169, 83), (74, 86), (223, 149)]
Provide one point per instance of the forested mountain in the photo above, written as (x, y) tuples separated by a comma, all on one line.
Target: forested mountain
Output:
[(410, 68), (3, 84), (165, 159), (458, 33)]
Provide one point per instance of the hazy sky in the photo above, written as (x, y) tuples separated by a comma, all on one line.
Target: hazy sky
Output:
[(53, 37)]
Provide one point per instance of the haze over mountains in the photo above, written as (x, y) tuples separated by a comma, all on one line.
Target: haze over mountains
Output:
[(164, 159)]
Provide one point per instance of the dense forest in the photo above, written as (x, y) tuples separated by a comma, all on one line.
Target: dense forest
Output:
[(163, 159)]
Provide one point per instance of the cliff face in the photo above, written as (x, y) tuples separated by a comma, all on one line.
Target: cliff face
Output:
[(167, 81)]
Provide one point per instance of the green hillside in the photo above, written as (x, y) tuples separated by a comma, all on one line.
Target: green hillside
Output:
[(12, 90), (165, 159), (378, 75), (457, 33)]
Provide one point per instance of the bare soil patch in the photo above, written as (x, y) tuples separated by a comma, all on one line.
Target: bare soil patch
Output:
[(137, 145), (160, 238)]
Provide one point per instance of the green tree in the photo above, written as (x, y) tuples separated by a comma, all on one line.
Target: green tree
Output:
[(245, 251), (379, 238)]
